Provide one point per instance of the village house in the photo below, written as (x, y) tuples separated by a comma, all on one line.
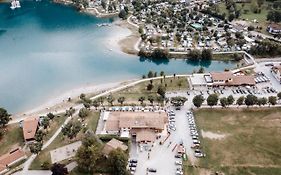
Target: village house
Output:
[(30, 126), (141, 126), (112, 145), (11, 158), (274, 29)]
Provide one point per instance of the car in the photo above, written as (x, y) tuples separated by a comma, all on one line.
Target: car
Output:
[(179, 173), (133, 161), (196, 142), (178, 162), (132, 165), (152, 170), (178, 156), (132, 168), (199, 155), (188, 112), (195, 146)]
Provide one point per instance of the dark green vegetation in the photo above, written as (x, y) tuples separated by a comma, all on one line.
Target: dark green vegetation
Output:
[(250, 144), (266, 48)]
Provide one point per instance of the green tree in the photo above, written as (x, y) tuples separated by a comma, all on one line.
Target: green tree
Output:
[(123, 14), (207, 54), (95, 103), (151, 99), (162, 73), (223, 102), (51, 116), (198, 100), (195, 54), (35, 147), (240, 101), (141, 99), (272, 100), (88, 154), (279, 95), (83, 113), (150, 74), (230, 100), (110, 100), (161, 91), (251, 100), (71, 129), (118, 162), (262, 101), (101, 100), (212, 100), (4, 117), (59, 169), (39, 135), (121, 100), (45, 122)]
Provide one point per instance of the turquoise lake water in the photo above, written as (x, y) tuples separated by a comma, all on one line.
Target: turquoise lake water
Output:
[(47, 48)]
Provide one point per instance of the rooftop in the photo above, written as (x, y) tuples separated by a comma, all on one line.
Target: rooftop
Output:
[(30, 127), (113, 144)]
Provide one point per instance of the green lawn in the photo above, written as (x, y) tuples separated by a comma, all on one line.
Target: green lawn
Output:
[(132, 94), (60, 141), (13, 137), (251, 144), (54, 125)]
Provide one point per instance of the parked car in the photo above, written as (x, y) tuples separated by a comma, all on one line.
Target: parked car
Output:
[(152, 170), (132, 165), (178, 162), (178, 156), (133, 161)]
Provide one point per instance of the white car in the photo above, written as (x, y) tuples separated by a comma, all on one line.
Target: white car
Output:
[(178, 162), (179, 173)]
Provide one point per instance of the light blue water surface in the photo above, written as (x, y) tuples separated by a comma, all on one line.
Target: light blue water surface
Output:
[(47, 48)]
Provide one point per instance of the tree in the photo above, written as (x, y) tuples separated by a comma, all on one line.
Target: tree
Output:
[(118, 162), (240, 101), (123, 14), (51, 116), (39, 135), (207, 54), (71, 129), (230, 100), (195, 54), (101, 100), (262, 101), (201, 70), (45, 122), (59, 169), (162, 73), (141, 99), (223, 101), (151, 99), (82, 96), (4, 117), (88, 154), (279, 95), (83, 113), (95, 103), (178, 101), (35, 147), (274, 15), (160, 99), (150, 74), (110, 100), (198, 100), (272, 100), (251, 100), (212, 100), (121, 100), (161, 91)]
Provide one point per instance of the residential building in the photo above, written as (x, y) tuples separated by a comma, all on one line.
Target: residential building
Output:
[(143, 126), (11, 158), (30, 126), (274, 29), (112, 145)]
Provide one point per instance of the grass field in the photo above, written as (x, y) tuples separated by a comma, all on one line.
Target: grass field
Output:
[(44, 156), (13, 137), (132, 94), (251, 144)]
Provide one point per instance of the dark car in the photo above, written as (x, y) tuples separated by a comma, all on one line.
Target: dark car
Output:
[(132, 165), (133, 161), (153, 170)]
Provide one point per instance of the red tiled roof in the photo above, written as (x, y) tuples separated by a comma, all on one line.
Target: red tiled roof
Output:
[(29, 128), (10, 157)]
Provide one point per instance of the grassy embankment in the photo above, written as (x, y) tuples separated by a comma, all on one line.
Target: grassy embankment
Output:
[(251, 144), (132, 94)]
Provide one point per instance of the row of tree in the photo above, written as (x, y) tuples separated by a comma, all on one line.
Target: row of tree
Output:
[(205, 54), (249, 100)]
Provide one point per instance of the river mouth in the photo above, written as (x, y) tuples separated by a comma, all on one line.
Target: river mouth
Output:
[(47, 48)]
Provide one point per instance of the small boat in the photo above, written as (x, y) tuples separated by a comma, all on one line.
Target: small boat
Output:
[(15, 4)]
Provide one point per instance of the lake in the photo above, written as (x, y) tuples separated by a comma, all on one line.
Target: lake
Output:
[(47, 48)]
